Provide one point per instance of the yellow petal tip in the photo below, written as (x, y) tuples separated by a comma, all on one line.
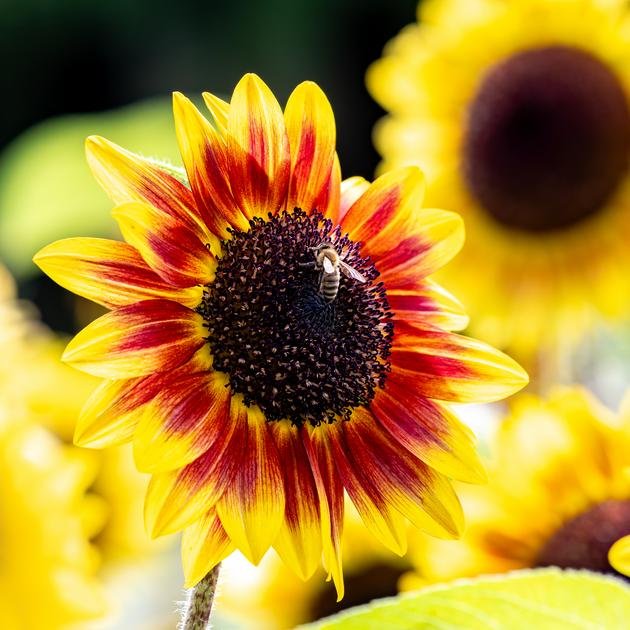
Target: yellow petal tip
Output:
[(92, 142), (179, 99)]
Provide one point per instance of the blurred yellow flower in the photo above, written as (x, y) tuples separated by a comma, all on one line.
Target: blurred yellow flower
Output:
[(518, 111), (278, 599), (559, 493), (46, 520), (54, 394)]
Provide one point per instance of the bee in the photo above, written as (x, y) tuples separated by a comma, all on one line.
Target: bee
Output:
[(329, 263)]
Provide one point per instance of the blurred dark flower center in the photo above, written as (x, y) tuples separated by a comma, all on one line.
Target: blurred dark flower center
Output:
[(547, 139), (584, 541), (283, 346)]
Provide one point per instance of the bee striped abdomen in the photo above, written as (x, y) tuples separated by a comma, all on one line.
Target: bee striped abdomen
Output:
[(329, 284)]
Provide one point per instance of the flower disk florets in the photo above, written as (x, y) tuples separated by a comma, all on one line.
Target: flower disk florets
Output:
[(548, 138), (282, 345)]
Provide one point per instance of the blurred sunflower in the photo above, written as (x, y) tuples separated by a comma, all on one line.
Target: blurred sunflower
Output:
[(559, 493), (371, 572), (53, 395), (519, 113), (47, 574), (253, 387), (48, 566), (57, 393)]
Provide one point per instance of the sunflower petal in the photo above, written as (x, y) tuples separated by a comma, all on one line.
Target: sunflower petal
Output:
[(110, 273), (389, 204), (328, 201), (448, 366), (167, 245), (299, 540), (137, 340), (434, 239), (312, 136), (330, 491), (427, 303), (112, 412), (182, 422), (219, 110), (402, 238), (127, 177), (252, 507), (177, 497), (351, 189), (204, 544), (418, 492), (428, 430), (258, 148), (379, 517), (204, 154)]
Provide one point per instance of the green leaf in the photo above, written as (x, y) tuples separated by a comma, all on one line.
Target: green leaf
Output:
[(46, 189), (540, 599)]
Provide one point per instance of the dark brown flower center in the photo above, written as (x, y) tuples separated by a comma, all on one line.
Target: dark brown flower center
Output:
[(547, 139), (584, 541), (284, 346), (362, 586)]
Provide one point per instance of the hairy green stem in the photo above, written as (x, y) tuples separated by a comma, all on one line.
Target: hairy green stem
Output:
[(199, 605)]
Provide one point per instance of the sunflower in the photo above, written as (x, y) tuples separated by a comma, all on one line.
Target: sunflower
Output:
[(255, 381), (370, 571), (559, 493), (519, 113), (47, 580)]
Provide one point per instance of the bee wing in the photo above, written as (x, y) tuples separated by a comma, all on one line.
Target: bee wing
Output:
[(328, 266), (351, 272)]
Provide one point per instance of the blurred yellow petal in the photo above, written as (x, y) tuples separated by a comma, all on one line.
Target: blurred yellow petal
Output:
[(619, 555)]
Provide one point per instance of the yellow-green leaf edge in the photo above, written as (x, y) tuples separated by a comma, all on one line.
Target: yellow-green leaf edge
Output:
[(535, 599)]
